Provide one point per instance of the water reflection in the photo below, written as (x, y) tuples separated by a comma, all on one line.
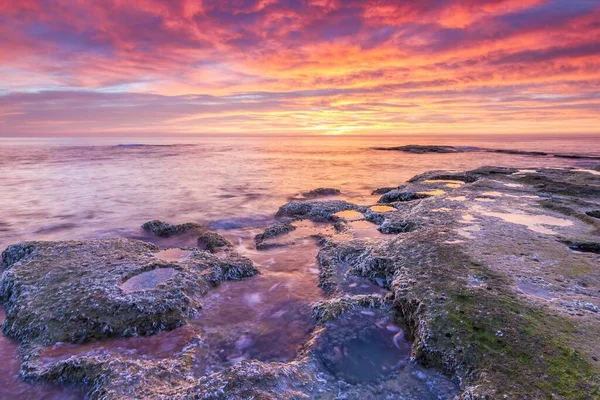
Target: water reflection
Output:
[(173, 254), (147, 280), (383, 209), (350, 215), (534, 222)]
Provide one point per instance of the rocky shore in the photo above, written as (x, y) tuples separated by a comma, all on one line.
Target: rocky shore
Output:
[(425, 149), (489, 280)]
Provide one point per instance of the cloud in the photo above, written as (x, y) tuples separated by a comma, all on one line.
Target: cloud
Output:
[(248, 66)]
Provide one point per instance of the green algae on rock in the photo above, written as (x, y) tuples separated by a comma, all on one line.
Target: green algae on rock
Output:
[(73, 291), (496, 342), (328, 310)]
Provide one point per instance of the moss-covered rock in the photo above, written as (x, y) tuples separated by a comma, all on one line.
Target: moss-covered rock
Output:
[(398, 225), (328, 310), (165, 229), (212, 242), (120, 377), (318, 211), (77, 291), (277, 229), (394, 196), (465, 315)]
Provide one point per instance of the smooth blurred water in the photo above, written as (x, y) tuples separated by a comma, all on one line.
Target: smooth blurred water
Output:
[(79, 188)]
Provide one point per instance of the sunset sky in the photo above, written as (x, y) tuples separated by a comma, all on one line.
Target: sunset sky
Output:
[(323, 67)]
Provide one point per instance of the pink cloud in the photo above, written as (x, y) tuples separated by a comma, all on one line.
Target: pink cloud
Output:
[(259, 60)]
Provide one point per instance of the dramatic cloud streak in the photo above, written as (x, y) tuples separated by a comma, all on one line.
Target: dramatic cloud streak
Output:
[(299, 66)]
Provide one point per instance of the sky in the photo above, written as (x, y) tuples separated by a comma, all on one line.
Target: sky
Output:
[(299, 67)]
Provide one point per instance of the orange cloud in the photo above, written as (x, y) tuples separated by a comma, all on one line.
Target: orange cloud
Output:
[(318, 66)]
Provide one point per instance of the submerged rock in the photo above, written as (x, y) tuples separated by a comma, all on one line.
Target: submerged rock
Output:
[(321, 192), (358, 348), (76, 291), (165, 229)]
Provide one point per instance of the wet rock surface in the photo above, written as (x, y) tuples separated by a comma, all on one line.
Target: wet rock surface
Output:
[(318, 211), (486, 287), (593, 213), (165, 229), (77, 291), (273, 231), (395, 195), (213, 242)]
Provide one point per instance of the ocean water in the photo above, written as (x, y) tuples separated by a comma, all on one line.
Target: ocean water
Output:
[(58, 189), (79, 188)]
